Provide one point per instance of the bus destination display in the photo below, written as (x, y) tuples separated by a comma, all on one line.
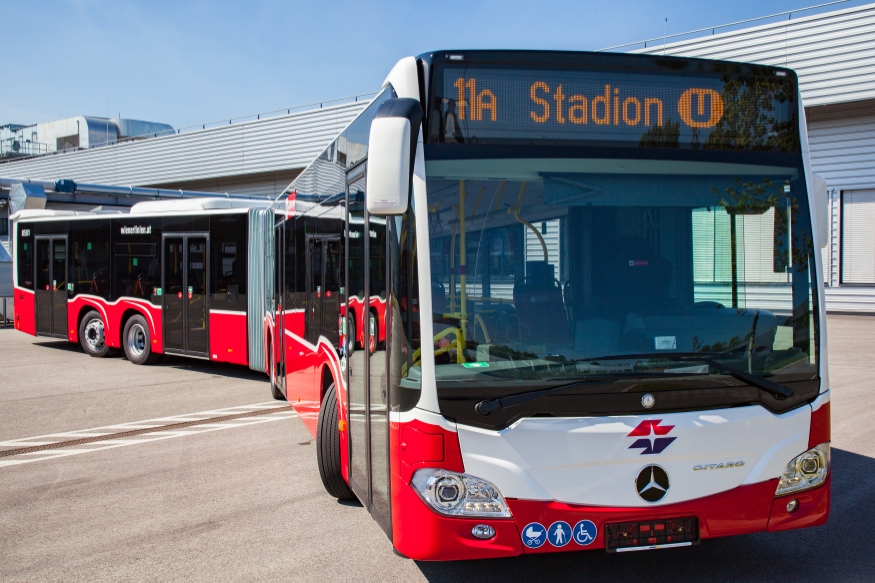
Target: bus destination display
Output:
[(483, 105)]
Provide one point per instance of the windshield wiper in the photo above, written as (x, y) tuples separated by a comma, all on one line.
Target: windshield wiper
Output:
[(779, 391), (487, 406)]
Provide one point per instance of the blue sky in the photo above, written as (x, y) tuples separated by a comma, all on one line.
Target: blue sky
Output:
[(190, 62)]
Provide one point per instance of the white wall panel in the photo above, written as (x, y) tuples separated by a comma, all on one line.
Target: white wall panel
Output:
[(858, 237), (833, 52), (842, 142)]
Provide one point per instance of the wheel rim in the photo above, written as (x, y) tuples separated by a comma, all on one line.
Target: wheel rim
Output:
[(94, 335), (137, 340)]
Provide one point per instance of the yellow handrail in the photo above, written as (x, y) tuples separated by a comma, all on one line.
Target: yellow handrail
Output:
[(515, 211)]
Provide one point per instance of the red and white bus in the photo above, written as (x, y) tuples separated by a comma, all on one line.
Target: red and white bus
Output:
[(543, 302), (171, 277)]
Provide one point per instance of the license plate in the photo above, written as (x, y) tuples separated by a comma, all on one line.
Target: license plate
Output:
[(653, 534)]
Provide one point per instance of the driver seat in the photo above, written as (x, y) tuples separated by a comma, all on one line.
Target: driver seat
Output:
[(540, 306)]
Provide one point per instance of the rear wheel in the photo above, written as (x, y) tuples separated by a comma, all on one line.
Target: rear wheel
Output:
[(92, 336), (328, 448), (137, 342)]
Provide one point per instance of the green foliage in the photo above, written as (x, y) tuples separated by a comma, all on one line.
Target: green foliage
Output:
[(749, 122)]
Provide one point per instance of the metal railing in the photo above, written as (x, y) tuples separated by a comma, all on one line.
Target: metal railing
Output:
[(714, 29), (13, 147)]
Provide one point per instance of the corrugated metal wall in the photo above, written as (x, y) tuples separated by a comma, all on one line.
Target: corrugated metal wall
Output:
[(833, 52), (834, 55), (842, 141), (280, 143), (270, 184)]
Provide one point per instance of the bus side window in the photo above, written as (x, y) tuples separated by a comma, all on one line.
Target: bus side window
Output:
[(136, 269), (228, 262), (89, 257), (24, 258)]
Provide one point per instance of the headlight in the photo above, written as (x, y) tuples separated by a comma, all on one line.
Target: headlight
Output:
[(456, 494), (806, 471)]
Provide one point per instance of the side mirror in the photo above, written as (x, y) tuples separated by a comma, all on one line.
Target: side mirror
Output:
[(821, 209), (391, 151)]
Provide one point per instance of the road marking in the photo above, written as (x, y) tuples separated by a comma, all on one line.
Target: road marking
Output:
[(55, 445)]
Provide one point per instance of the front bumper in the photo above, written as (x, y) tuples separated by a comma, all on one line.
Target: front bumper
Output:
[(425, 535)]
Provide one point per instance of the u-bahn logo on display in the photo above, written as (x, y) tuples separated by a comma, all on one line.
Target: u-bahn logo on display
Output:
[(650, 442)]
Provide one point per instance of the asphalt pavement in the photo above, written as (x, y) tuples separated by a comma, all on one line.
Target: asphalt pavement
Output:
[(242, 499)]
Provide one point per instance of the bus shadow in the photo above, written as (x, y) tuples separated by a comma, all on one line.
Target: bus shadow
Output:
[(60, 345), (835, 551), (236, 371), (168, 361)]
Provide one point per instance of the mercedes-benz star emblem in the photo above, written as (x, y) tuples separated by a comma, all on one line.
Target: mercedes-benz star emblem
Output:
[(652, 484), (648, 401)]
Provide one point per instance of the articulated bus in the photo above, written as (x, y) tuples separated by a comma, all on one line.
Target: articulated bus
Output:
[(543, 302), (179, 277)]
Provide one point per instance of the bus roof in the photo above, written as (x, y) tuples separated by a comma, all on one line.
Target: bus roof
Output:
[(196, 204), (604, 59), (156, 207)]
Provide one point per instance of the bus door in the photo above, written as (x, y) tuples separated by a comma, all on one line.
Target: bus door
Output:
[(366, 361), (186, 295), (323, 288), (51, 286), (278, 306)]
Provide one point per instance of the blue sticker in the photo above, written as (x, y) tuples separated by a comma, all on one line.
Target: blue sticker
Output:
[(585, 532), (559, 533), (534, 535)]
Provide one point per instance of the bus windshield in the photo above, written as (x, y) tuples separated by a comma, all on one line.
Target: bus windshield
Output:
[(540, 266)]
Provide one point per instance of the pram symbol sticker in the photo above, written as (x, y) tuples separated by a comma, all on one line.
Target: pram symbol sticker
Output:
[(585, 532), (559, 533), (534, 535)]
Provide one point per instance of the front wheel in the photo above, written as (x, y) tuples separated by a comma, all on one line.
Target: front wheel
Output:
[(137, 342), (328, 448), (92, 336)]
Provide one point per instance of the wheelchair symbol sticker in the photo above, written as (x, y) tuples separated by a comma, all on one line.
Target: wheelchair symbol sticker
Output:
[(585, 532), (559, 533), (534, 535)]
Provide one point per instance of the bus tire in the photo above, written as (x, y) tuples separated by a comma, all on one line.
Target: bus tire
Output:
[(137, 341), (351, 339), (92, 336), (328, 448), (274, 389)]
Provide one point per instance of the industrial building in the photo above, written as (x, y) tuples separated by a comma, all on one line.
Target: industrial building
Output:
[(833, 53), (20, 141), (834, 56)]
